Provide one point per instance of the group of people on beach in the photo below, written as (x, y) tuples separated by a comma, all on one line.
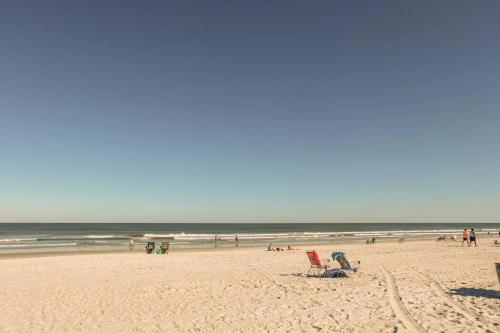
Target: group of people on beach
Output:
[(271, 248), (469, 237), (447, 238), (370, 240), (236, 240)]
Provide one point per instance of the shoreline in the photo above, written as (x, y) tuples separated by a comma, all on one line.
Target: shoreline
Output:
[(28, 240), (199, 250), (20, 255)]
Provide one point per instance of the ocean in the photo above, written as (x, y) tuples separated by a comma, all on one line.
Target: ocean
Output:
[(50, 237)]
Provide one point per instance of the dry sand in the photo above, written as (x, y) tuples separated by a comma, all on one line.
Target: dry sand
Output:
[(409, 287)]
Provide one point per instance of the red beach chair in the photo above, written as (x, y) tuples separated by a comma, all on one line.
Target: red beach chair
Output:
[(316, 265)]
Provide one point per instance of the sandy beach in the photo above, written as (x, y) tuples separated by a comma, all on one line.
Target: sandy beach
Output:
[(419, 286)]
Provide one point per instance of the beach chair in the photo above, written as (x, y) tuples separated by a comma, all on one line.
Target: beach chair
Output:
[(345, 266), (150, 247), (316, 265), (164, 247)]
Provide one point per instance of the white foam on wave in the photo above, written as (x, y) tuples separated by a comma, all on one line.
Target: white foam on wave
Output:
[(223, 236), (17, 239), (35, 245)]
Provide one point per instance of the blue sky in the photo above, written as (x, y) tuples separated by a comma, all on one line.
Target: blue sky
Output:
[(266, 111)]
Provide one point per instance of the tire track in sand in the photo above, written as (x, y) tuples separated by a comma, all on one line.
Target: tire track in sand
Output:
[(441, 293), (398, 307)]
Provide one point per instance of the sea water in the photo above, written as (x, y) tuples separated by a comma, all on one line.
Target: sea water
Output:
[(48, 237)]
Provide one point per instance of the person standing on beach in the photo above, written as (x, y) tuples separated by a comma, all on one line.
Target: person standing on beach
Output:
[(215, 241), (465, 237), (236, 241), (472, 237), (131, 244)]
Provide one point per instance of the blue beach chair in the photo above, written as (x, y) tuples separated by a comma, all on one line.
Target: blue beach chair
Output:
[(345, 266), (341, 258)]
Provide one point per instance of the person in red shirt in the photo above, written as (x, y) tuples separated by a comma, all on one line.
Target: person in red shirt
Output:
[(465, 237)]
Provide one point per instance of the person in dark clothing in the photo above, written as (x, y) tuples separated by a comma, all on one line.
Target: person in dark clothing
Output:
[(472, 237)]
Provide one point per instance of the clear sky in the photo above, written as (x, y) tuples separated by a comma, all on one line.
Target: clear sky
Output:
[(256, 111)]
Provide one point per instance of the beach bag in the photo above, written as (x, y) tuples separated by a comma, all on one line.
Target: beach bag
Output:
[(334, 273)]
